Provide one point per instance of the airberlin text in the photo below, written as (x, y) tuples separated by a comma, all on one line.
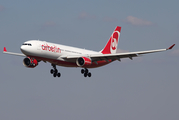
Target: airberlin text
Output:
[(51, 48)]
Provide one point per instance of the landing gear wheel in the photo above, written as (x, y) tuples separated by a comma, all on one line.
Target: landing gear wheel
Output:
[(51, 71), (82, 71), (58, 74), (85, 75), (54, 75), (86, 70), (89, 74), (54, 71)]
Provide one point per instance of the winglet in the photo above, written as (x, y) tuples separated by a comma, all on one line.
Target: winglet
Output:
[(5, 50), (171, 47)]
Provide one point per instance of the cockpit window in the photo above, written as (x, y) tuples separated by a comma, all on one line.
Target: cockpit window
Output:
[(27, 44)]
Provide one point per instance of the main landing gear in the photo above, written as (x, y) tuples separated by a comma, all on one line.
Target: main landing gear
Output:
[(86, 72), (54, 71)]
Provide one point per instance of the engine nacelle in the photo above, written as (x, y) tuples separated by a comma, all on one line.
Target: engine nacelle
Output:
[(30, 62), (83, 61)]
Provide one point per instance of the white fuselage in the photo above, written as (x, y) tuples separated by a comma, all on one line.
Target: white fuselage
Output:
[(51, 52)]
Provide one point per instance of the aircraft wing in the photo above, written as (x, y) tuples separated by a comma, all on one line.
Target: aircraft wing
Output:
[(118, 56), (11, 53)]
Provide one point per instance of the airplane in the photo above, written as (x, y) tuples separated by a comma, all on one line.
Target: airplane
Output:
[(35, 51)]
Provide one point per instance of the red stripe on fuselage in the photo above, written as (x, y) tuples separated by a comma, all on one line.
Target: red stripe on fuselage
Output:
[(72, 64)]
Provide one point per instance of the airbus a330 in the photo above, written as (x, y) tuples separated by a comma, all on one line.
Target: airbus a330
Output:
[(35, 51)]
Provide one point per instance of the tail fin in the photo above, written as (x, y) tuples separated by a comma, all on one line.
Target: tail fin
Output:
[(112, 43)]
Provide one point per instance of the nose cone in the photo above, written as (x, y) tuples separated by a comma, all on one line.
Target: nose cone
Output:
[(25, 49), (22, 48)]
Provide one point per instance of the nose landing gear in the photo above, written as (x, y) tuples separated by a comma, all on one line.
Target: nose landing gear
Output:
[(86, 72), (54, 71)]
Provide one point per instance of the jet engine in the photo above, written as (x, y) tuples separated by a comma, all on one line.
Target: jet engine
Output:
[(30, 62), (83, 61)]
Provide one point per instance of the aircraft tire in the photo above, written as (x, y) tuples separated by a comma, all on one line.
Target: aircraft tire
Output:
[(54, 75), (86, 70), (89, 74), (82, 71), (58, 74), (51, 71), (85, 75)]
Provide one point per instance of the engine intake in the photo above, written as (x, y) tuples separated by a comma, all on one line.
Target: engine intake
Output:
[(83, 61), (30, 62)]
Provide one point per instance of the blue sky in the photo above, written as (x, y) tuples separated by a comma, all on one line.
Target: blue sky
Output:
[(144, 88)]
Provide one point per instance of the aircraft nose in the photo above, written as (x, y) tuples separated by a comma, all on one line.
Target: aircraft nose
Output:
[(24, 49)]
